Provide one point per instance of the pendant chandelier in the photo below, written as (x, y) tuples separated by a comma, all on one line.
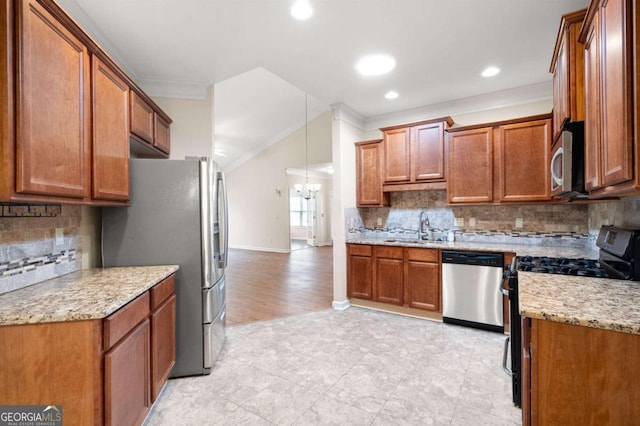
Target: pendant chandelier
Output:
[(306, 191)]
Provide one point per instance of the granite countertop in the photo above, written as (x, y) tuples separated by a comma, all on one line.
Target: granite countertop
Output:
[(587, 301), (519, 249), (83, 295)]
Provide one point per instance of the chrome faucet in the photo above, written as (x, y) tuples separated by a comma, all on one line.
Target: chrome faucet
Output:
[(424, 221)]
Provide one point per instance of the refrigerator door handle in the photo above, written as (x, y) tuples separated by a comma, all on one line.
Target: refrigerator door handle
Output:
[(224, 223), (206, 230)]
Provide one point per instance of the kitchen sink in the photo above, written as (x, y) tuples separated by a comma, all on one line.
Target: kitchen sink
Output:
[(407, 241)]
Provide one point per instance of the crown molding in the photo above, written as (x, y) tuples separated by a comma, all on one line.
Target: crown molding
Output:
[(488, 101), (347, 114)]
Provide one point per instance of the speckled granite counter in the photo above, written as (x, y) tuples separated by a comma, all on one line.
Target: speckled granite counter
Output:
[(591, 302), (519, 249), (82, 295)]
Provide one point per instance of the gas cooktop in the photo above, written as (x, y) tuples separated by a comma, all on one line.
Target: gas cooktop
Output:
[(563, 266)]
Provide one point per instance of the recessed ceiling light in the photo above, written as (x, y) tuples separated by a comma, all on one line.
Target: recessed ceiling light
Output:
[(301, 10), (391, 94), (375, 64), (490, 71)]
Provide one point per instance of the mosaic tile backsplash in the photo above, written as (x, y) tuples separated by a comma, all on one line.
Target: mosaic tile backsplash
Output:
[(28, 250), (541, 224)]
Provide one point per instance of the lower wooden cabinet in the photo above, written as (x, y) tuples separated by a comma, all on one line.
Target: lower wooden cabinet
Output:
[(126, 378), (575, 375), (403, 276), (102, 371)]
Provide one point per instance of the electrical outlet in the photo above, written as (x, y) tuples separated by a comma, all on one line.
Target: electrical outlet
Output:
[(458, 221), (519, 223), (379, 221), (472, 222), (59, 236)]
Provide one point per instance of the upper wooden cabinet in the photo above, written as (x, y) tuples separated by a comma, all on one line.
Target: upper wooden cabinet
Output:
[(414, 153), (63, 113), (567, 67), (470, 166), (500, 162), (141, 118), (609, 31), (110, 134), (369, 174), (52, 107), (161, 134), (522, 161)]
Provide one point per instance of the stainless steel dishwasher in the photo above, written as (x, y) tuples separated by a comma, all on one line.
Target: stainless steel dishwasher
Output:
[(471, 289)]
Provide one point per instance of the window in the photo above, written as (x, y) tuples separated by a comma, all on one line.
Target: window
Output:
[(298, 207)]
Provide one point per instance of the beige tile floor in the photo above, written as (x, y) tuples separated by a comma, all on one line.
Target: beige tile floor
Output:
[(355, 367)]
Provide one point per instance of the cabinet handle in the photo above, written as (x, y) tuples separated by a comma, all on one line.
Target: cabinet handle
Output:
[(504, 357)]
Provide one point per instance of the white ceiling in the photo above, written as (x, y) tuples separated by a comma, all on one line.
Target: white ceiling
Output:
[(441, 46)]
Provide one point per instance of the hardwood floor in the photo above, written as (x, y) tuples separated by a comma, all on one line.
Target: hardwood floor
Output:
[(264, 285)]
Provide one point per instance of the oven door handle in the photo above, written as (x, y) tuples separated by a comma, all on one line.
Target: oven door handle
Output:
[(504, 357)]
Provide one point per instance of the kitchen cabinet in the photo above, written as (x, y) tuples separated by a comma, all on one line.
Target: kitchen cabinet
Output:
[(360, 271), (149, 128), (52, 107), (141, 118), (161, 134), (369, 174), (110, 134), (609, 33), (389, 265), (567, 67), (501, 162), (102, 371), (579, 375), (414, 154), (470, 166), (62, 114), (422, 286), (402, 276)]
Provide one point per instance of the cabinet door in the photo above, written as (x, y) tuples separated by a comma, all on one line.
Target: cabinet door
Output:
[(523, 161), (427, 152), (560, 90), (141, 118), (110, 134), (368, 181), (163, 344), (360, 274), (53, 111), (616, 92), (126, 378), (470, 174), (397, 155), (389, 279), (592, 135), (422, 279), (161, 135)]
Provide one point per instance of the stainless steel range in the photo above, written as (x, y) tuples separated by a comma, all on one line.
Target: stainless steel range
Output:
[(619, 259)]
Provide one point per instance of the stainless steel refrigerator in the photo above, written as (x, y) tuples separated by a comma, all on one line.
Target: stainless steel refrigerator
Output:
[(178, 215)]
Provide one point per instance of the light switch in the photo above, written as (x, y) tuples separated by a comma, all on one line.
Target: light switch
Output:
[(379, 221), (519, 222), (472, 222), (458, 221), (59, 236)]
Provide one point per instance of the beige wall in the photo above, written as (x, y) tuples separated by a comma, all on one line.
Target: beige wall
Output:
[(192, 126), (258, 213)]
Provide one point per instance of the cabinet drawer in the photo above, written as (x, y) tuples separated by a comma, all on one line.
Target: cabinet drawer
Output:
[(424, 255), (389, 252), (121, 322), (161, 291), (360, 250)]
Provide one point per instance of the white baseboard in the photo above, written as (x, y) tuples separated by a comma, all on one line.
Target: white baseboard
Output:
[(340, 306), (275, 250)]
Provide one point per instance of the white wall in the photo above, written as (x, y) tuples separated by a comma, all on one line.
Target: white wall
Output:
[(192, 126), (258, 214)]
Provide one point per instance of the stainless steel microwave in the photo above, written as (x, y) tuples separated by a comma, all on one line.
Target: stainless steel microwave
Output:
[(567, 162)]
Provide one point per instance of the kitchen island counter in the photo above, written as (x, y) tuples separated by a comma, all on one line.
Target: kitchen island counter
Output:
[(83, 295), (592, 302)]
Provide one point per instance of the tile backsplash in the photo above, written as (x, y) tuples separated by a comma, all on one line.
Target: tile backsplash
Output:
[(624, 212), (28, 250)]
